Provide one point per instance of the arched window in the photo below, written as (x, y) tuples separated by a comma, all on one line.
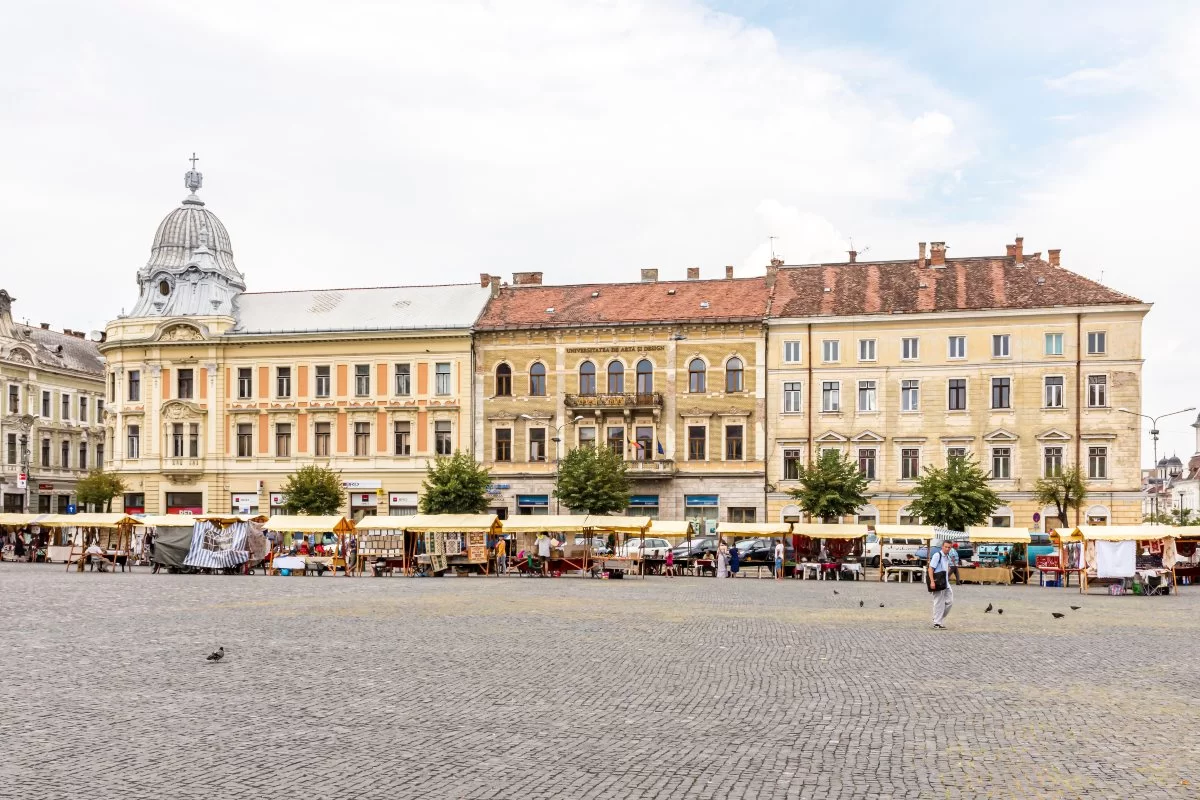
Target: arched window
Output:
[(616, 378), (733, 375), (587, 378), (645, 377), (537, 379), (504, 381), (696, 376)]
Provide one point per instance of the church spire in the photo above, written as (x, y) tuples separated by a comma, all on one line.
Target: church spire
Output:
[(193, 179)]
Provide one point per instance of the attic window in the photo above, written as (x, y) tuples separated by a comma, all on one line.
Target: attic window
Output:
[(595, 294), (670, 291), (1040, 280), (828, 289), (164, 288), (922, 285), (704, 304), (550, 310)]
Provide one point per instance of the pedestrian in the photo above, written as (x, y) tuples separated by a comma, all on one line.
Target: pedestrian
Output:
[(501, 556), (722, 560), (954, 561), (735, 560), (779, 560), (939, 584), (543, 551), (670, 565)]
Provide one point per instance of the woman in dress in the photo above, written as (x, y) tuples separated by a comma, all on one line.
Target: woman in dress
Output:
[(722, 560)]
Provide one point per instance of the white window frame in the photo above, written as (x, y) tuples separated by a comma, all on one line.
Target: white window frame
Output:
[(874, 476), (1103, 338), (992, 393), (1008, 462), (999, 339), (952, 451), (905, 405), (1053, 336), (1062, 391), (791, 453), (831, 347), (966, 394), (1094, 452), (900, 462), (1062, 458), (1088, 384), (910, 348), (867, 349), (797, 393), (793, 353), (874, 397), (837, 388), (950, 341)]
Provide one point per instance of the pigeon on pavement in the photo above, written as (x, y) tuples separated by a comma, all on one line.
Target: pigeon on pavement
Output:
[(881, 605), (218, 655), (1076, 608), (860, 603), (1057, 615), (835, 591), (988, 610), (999, 610)]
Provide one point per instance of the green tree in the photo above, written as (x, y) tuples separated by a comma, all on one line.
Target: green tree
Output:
[(314, 490), (831, 487), (1185, 517), (593, 479), (955, 497), (98, 488), (455, 485), (1065, 491)]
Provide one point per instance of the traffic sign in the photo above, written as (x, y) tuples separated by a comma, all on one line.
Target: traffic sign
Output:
[(22, 480), (70, 508)]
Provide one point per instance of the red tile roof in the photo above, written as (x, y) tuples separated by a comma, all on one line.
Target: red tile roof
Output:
[(965, 284), (728, 300)]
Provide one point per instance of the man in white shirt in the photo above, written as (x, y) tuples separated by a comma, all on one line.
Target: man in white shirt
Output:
[(543, 551), (938, 575), (779, 551), (97, 558)]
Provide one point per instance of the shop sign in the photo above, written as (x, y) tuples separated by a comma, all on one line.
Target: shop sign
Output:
[(402, 498), (278, 499), (701, 500), (182, 510), (356, 485), (533, 500), (363, 499), (643, 500), (22, 480), (45, 487)]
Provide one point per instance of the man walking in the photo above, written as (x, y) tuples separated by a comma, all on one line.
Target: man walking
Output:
[(501, 556), (954, 562), (939, 584)]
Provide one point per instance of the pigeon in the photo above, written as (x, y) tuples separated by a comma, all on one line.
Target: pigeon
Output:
[(218, 655), (835, 591), (1076, 608), (881, 605), (860, 603), (999, 610), (988, 610), (1057, 615)]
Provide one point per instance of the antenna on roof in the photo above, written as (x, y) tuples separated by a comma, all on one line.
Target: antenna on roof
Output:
[(771, 240)]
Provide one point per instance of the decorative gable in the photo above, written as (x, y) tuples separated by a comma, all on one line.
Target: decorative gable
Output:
[(1053, 435), (867, 436), (1000, 435), (831, 437)]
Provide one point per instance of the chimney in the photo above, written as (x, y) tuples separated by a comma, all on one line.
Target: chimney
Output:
[(77, 334), (484, 279), (68, 332), (1019, 249), (496, 284), (772, 273), (527, 279), (729, 272), (693, 273), (853, 255), (1010, 250), (1053, 255), (650, 276), (921, 255), (937, 255), (45, 325)]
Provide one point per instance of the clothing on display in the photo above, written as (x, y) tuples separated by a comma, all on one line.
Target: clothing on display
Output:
[(1116, 559)]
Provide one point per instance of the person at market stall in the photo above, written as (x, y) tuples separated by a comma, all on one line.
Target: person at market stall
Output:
[(779, 560), (543, 551), (954, 563), (735, 561), (823, 556), (722, 560), (501, 556), (96, 557), (19, 546), (943, 598), (669, 566)]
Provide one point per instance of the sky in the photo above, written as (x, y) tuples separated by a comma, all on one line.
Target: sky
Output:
[(356, 144)]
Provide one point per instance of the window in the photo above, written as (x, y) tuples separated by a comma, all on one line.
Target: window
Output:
[(246, 382), (1053, 395), (1001, 392), (1000, 345), (45, 452), (83, 455), (46, 404), (616, 440), (866, 462), (504, 444), (791, 396), (133, 442), (831, 350), (193, 440), (83, 409), (537, 444), (645, 377), (441, 375), (362, 438), (616, 378), (321, 439), (733, 443), (135, 385), (866, 349), (177, 445), (403, 379), (740, 514), (1052, 462), (402, 438), (99, 411), (1097, 391), (955, 452), (956, 398), (1097, 343), (791, 465), (1001, 463), (283, 440), (322, 382), (910, 395), (441, 438), (791, 352), (696, 375), (644, 437), (245, 439), (65, 455), (184, 384), (910, 464), (362, 380), (697, 443), (866, 396), (1098, 463), (910, 348), (537, 379), (733, 375), (11, 441), (957, 347), (65, 410), (14, 399), (831, 396), (100, 456), (283, 381), (587, 378), (112, 386), (587, 436), (1054, 344)]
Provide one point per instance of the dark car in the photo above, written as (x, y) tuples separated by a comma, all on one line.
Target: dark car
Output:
[(762, 551), (695, 548)]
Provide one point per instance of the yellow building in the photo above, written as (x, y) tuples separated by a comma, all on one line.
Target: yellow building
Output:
[(669, 373), (216, 394), (50, 426), (900, 364)]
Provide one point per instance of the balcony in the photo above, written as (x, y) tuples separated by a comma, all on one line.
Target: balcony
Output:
[(646, 469), (183, 470), (622, 401)]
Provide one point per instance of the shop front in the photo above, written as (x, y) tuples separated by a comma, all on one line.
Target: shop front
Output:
[(533, 505), (135, 503), (402, 504), (702, 510), (278, 501), (643, 505), (363, 504), (185, 503), (243, 503)]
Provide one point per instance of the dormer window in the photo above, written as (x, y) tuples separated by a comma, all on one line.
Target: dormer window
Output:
[(164, 288)]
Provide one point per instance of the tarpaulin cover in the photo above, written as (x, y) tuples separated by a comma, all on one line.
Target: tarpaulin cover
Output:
[(217, 546), (171, 544)]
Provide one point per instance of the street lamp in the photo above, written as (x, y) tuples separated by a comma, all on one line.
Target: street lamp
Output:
[(557, 443), (24, 440), (1154, 438), (1181, 508)]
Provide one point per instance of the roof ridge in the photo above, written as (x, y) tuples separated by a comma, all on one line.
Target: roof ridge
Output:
[(365, 288), (681, 281)]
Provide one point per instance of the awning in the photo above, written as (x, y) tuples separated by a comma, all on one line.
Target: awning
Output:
[(536, 523), (904, 532), (420, 523), (672, 528), (19, 520), (753, 528), (301, 524), (818, 531), (1060, 535), (982, 535), (617, 524), (167, 520), (1126, 533), (86, 520)]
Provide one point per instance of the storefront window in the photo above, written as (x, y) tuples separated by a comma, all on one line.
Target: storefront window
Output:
[(702, 510), (533, 504)]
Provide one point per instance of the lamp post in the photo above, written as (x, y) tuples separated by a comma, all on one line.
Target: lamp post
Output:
[(1154, 438), (557, 439), (1181, 509), (24, 441)]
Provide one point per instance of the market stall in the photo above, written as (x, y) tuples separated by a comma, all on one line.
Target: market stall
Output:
[(680, 532), (14, 526), (1138, 558), (1004, 569), (524, 530), (757, 530), (911, 572), (300, 525), (112, 533), (458, 541), (842, 545), (622, 528), (1187, 555)]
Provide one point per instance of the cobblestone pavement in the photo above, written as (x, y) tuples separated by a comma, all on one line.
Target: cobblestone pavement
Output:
[(530, 688)]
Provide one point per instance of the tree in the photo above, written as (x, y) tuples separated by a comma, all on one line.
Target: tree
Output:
[(831, 487), (314, 490), (955, 497), (455, 485), (593, 479), (98, 488), (1065, 491), (1184, 516)]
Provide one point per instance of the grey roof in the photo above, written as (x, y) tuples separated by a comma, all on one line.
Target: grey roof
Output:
[(367, 309), (77, 355)]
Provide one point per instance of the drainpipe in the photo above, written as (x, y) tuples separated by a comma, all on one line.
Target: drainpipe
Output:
[(766, 384), (1078, 397), (811, 407)]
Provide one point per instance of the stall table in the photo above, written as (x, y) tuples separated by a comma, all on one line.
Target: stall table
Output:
[(998, 575), (903, 574)]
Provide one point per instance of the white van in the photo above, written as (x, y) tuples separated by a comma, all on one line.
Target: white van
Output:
[(895, 551)]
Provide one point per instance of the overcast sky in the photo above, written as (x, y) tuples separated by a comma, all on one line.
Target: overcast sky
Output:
[(348, 144)]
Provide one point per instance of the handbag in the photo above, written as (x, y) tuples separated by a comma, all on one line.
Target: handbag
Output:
[(939, 578)]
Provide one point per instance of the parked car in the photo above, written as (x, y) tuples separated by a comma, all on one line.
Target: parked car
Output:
[(762, 551), (895, 551), (599, 543), (1039, 545), (695, 548), (654, 548)]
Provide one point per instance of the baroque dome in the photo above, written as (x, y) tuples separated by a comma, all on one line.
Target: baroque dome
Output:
[(179, 235)]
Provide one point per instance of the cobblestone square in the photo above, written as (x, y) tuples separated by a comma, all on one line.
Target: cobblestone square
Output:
[(531, 688)]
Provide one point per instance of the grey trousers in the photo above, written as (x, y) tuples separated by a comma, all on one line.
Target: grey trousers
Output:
[(943, 601)]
